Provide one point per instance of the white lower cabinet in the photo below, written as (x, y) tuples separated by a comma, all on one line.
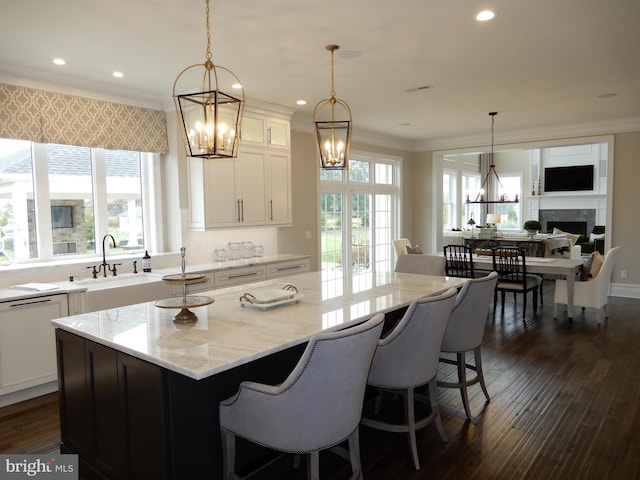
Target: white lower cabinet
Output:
[(27, 341), (238, 276), (290, 267)]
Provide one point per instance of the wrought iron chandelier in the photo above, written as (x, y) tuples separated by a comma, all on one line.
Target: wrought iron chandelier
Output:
[(491, 174), (210, 119), (333, 136)]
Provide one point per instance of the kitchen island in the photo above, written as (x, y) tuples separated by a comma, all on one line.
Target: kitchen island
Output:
[(139, 394)]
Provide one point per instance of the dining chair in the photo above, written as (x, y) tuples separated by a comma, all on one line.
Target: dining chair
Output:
[(593, 293), (459, 261), (464, 333), (400, 246), (511, 265), (407, 358), (317, 407), (534, 248), (424, 264)]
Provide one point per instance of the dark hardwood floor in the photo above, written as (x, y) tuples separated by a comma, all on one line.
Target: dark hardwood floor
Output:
[(565, 404)]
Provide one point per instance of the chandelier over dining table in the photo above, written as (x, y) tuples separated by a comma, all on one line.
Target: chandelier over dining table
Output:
[(484, 194)]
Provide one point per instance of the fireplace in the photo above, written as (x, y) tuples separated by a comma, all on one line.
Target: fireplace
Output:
[(577, 221), (578, 228)]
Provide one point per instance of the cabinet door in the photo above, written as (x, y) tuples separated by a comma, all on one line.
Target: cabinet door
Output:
[(212, 193), (279, 188), (27, 341), (251, 175), (261, 131), (278, 132), (253, 130)]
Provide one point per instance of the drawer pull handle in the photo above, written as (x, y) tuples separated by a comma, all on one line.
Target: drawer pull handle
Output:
[(240, 275), (279, 269)]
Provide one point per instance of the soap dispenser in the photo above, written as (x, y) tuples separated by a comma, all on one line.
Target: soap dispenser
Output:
[(146, 262)]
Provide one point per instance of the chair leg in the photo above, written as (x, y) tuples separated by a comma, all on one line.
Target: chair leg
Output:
[(410, 414), (313, 466), (433, 400), (462, 380), (354, 454), (524, 304), (480, 373), (228, 454), (555, 310), (535, 300)]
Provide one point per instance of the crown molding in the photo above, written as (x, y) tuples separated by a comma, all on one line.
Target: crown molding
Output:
[(606, 127)]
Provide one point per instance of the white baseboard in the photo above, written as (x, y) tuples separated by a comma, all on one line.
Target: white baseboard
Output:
[(28, 393), (625, 290)]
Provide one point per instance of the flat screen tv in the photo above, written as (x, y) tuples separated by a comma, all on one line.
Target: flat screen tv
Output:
[(568, 179), (61, 216)]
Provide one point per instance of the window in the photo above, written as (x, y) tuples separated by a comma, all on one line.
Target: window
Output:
[(510, 212), (82, 195), (470, 187), (449, 199), (18, 230), (358, 215)]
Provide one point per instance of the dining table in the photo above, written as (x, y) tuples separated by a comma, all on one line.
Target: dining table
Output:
[(563, 267)]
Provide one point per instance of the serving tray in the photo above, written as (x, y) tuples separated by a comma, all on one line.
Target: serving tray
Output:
[(270, 297)]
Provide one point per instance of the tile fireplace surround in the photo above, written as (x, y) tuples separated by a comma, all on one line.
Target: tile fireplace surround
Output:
[(569, 216)]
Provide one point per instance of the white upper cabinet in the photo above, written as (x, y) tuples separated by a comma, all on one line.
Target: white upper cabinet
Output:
[(265, 131), (253, 189)]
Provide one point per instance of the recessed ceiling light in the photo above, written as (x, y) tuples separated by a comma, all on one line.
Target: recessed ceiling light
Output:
[(301, 102), (118, 74), (59, 61), (485, 15)]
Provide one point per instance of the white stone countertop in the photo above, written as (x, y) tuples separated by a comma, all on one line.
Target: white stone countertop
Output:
[(10, 294), (228, 334)]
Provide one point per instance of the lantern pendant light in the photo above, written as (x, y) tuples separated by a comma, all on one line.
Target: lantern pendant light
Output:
[(209, 119), (333, 136), (491, 174)]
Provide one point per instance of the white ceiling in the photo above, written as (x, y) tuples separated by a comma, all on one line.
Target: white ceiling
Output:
[(541, 63)]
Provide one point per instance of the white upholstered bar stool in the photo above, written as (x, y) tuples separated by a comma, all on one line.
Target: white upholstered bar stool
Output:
[(408, 358), (317, 407), (424, 264), (464, 334)]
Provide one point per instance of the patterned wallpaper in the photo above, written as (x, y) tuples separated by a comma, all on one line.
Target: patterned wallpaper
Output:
[(49, 117)]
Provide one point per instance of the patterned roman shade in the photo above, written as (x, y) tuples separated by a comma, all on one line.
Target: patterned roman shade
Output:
[(49, 117)]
